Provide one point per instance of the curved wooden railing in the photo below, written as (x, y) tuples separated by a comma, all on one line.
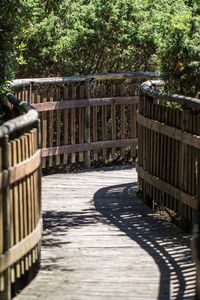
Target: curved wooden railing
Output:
[(93, 118), (85, 119), (169, 157), (20, 196)]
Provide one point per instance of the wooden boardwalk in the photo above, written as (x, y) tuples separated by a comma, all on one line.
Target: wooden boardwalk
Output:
[(101, 242)]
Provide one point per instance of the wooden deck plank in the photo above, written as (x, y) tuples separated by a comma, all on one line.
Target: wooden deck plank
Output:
[(101, 242)]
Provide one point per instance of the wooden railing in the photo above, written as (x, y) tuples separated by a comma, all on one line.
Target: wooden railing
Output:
[(20, 196), (93, 118), (85, 119), (169, 158)]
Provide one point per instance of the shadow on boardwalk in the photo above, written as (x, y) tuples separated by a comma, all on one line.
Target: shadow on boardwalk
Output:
[(105, 243), (155, 235), (113, 205)]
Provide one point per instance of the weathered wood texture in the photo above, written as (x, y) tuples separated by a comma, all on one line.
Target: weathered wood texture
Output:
[(168, 150), (169, 158), (77, 112), (101, 242), (20, 208), (60, 80)]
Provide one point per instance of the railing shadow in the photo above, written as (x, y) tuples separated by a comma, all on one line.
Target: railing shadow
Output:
[(171, 252)]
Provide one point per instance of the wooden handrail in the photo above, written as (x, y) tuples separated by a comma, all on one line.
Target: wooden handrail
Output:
[(20, 188), (59, 80), (148, 88)]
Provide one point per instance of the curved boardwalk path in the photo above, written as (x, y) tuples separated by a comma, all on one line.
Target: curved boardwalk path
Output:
[(101, 242)]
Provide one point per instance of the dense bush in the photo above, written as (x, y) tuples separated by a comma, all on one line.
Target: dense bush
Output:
[(69, 37)]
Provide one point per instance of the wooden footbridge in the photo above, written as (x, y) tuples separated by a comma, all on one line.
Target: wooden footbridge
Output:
[(107, 231)]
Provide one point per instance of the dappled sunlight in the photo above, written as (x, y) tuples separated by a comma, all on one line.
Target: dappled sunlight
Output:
[(155, 235)]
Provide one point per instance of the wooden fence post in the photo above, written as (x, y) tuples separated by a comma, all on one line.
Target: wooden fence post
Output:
[(195, 238), (182, 154), (6, 294), (87, 124)]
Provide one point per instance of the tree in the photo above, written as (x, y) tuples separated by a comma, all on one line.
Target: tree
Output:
[(180, 50), (76, 37), (68, 37), (13, 16)]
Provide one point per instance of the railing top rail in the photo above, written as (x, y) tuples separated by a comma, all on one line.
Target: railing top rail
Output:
[(148, 88), (59, 80), (20, 122)]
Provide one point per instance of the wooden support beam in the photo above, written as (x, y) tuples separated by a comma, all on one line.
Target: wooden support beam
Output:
[(58, 105), (87, 147), (170, 131)]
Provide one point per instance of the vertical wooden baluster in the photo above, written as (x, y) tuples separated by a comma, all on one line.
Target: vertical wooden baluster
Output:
[(139, 156), (44, 127), (183, 166), (51, 126), (29, 196), (133, 128), (12, 216), (26, 95), (104, 130), (32, 148), (148, 145), (37, 186), (113, 118), (168, 150), (176, 164), (25, 225), (81, 122), (16, 206), (161, 143), (33, 192), (73, 125), (19, 159), (39, 190), (66, 124), (195, 151), (165, 139), (123, 119), (22, 96), (36, 97), (168, 113), (151, 136), (58, 124), (11, 197), (139, 139), (104, 120), (95, 129), (20, 198), (144, 149), (133, 122), (6, 293), (156, 164), (192, 160), (87, 124), (34, 186), (154, 144), (151, 147)]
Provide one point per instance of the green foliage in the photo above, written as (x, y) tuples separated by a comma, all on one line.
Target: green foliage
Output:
[(75, 37), (68, 37), (180, 50), (12, 19)]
